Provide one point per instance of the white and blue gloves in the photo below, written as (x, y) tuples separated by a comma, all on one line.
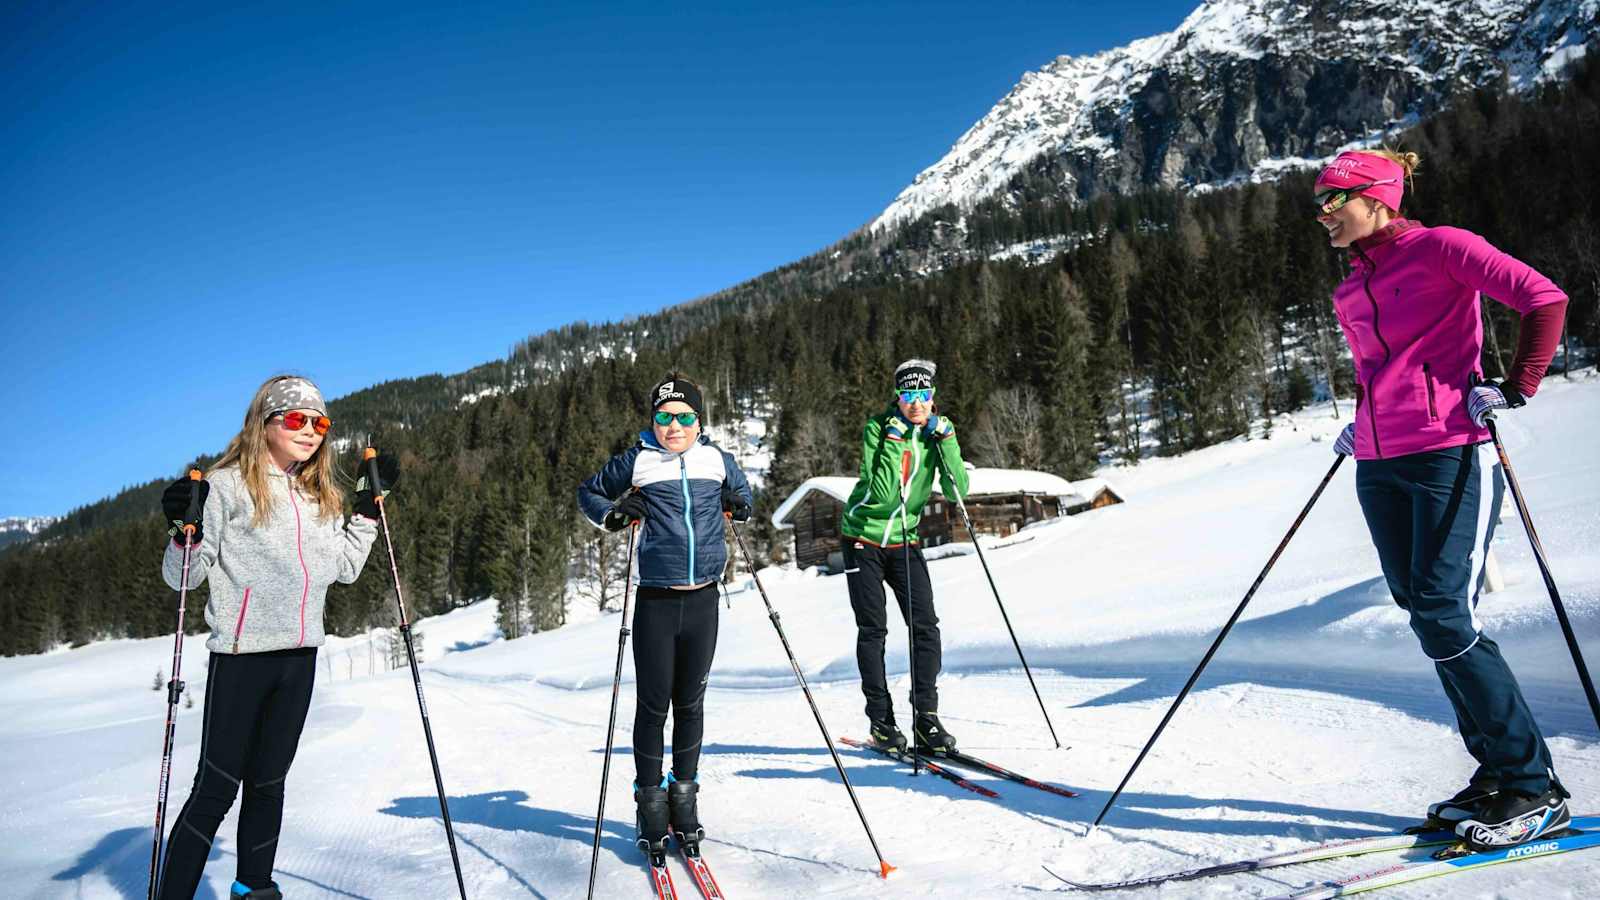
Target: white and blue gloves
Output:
[(1345, 443), (1484, 399)]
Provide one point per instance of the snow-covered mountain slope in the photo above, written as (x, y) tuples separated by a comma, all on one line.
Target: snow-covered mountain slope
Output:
[(21, 528), (1319, 719), (1245, 87)]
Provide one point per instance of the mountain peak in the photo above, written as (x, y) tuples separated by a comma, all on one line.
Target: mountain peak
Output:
[(1244, 89)]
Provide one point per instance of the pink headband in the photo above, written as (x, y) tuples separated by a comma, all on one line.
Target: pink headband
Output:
[(1353, 168)]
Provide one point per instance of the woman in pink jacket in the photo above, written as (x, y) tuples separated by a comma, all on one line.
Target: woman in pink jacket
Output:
[(1430, 486)]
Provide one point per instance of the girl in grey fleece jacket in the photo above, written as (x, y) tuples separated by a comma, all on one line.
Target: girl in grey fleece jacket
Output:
[(270, 540)]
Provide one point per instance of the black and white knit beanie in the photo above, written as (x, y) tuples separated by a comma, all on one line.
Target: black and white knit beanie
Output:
[(914, 375)]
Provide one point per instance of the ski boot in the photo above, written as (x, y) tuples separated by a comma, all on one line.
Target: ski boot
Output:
[(932, 739), (685, 815), (652, 821), (885, 735), (1447, 814), (242, 892), (1513, 818)]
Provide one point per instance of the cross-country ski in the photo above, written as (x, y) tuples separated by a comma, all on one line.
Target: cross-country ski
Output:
[(962, 758), (924, 764), (1331, 850), (1583, 836)]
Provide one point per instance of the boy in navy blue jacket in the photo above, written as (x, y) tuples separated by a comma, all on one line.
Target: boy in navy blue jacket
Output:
[(677, 485)]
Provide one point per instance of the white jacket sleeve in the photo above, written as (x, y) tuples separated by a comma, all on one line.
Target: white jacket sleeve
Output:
[(359, 534)]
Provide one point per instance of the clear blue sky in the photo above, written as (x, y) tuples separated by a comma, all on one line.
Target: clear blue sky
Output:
[(194, 196)]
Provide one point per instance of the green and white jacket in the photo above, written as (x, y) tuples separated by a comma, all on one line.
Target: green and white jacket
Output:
[(872, 513)]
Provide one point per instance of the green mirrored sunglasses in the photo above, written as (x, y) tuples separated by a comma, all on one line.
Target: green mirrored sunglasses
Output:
[(684, 418)]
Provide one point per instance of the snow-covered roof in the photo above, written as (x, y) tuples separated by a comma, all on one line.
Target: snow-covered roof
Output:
[(835, 486), (1089, 487), (980, 482)]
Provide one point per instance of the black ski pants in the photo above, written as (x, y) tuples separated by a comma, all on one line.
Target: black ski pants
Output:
[(1432, 516), (674, 638), (866, 568), (256, 706)]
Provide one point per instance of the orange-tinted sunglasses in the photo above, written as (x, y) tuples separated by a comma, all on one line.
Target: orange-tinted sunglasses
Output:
[(294, 420)]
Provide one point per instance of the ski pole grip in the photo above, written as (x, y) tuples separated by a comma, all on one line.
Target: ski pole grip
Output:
[(194, 504), (369, 459)]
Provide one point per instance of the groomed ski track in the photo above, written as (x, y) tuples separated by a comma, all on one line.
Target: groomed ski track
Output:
[(1318, 720)]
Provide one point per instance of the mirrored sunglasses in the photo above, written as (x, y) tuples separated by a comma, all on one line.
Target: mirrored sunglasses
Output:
[(1333, 200), (294, 420), (685, 419)]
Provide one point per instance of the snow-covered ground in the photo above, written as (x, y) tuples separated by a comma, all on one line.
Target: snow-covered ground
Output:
[(746, 439), (1318, 719)]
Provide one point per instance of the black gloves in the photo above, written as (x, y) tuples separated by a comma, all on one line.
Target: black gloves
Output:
[(630, 508), (367, 493), (734, 505), (184, 503)]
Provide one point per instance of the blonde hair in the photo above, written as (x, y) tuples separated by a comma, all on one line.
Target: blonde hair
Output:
[(315, 478), (1407, 161)]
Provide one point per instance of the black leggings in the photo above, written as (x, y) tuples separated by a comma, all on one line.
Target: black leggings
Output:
[(866, 569), (674, 638), (256, 705)]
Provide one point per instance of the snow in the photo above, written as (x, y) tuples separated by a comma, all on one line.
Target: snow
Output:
[(21, 528), (982, 481), (1318, 719), (836, 486), (28, 524), (1039, 250), (1081, 106), (746, 439)]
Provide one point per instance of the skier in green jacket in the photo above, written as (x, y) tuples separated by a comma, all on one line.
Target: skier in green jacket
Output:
[(901, 448)]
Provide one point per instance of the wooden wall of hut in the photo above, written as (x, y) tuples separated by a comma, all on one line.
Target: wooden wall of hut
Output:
[(816, 529), (1001, 515)]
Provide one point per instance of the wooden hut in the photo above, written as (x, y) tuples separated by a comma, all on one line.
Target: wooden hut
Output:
[(813, 512), (1000, 501)]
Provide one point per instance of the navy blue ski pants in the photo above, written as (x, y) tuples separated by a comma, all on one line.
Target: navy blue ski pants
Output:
[(1432, 516)]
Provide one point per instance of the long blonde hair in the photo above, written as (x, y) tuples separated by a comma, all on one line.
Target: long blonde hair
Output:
[(315, 478)]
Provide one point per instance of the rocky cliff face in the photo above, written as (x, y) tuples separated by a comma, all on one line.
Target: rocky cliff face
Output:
[(1245, 89)]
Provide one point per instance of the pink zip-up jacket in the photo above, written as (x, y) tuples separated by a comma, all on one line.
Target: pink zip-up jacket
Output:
[(1409, 309)]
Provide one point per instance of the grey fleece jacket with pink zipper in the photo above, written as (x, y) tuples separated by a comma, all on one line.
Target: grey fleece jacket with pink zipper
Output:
[(268, 583)]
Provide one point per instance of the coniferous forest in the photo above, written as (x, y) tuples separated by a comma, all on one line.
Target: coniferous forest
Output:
[(1171, 321)]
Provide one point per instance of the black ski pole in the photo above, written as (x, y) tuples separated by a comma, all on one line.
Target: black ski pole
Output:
[(967, 521), (827, 739), (1220, 635), (1544, 569), (370, 459), (911, 609), (174, 691), (611, 727)]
